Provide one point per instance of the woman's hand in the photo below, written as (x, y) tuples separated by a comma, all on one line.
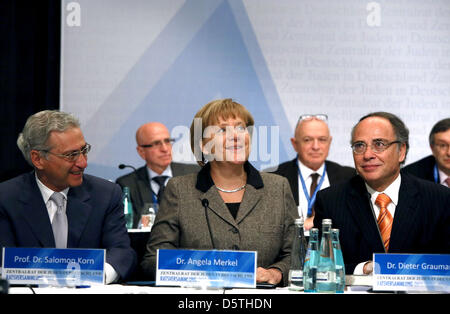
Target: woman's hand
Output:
[(271, 275)]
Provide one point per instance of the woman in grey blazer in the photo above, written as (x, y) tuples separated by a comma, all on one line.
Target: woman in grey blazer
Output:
[(229, 204)]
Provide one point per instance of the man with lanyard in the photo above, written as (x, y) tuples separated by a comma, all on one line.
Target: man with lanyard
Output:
[(310, 172), (435, 167)]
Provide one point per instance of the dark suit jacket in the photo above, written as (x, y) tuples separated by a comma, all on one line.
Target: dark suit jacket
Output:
[(264, 222), (94, 213), (139, 184), (421, 221), (423, 168), (336, 174)]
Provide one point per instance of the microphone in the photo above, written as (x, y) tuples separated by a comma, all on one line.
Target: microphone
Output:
[(123, 166), (205, 204)]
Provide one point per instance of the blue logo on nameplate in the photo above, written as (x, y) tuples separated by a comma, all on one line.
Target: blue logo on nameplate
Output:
[(197, 268), (57, 267), (411, 272)]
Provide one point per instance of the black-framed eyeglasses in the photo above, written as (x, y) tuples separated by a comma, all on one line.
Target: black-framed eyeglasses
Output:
[(73, 155), (307, 117), (159, 144), (377, 146)]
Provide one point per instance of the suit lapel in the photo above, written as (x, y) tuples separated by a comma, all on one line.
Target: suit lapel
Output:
[(359, 205), (331, 172), (78, 212), (405, 212), (144, 186), (35, 212), (249, 201)]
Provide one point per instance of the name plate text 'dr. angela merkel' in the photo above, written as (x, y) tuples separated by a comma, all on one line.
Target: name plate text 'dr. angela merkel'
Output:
[(203, 268)]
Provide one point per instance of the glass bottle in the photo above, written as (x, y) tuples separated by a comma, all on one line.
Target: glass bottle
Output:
[(338, 261), (297, 257), (311, 261), (326, 269), (127, 207)]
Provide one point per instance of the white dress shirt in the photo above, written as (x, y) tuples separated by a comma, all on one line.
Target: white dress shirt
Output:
[(153, 184), (393, 192), (110, 273), (442, 178), (306, 173)]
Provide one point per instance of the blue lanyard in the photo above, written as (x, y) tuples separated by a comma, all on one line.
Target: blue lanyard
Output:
[(312, 199), (436, 174), (155, 200)]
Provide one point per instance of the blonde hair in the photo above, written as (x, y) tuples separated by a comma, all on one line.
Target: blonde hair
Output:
[(209, 115)]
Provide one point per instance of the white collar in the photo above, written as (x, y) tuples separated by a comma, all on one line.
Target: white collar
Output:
[(307, 172), (47, 192), (166, 172), (392, 191), (442, 176)]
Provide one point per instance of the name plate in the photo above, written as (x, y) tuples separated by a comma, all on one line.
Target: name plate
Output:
[(199, 268), (55, 267), (411, 272)]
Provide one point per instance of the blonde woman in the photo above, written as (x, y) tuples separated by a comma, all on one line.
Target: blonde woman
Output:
[(228, 205)]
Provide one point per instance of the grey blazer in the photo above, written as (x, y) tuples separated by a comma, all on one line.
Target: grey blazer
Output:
[(264, 222)]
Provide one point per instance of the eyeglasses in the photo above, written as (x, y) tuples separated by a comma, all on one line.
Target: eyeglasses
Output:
[(308, 117), (443, 147), (73, 155), (377, 146), (159, 144)]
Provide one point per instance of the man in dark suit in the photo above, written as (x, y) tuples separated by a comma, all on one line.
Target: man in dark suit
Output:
[(147, 183), (382, 210), (435, 167), (312, 142), (57, 205)]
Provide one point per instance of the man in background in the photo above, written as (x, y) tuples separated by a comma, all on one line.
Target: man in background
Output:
[(147, 183), (57, 205), (435, 167), (310, 172)]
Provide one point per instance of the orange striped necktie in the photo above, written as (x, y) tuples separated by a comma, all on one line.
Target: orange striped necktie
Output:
[(384, 220)]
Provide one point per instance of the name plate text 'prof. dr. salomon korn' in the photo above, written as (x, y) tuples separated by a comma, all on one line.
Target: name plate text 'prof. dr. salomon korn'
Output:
[(203, 268), (411, 272), (56, 267)]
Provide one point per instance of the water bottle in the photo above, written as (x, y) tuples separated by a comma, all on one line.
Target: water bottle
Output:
[(338, 261), (127, 207), (297, 257), (326, 271), (311, 261)]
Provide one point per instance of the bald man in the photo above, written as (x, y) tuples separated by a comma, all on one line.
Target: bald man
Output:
[(154, 145), (312, 142)]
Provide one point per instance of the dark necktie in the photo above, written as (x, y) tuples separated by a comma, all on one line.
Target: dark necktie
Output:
[(447, 181), (160, 180), (314, 178), (59, 223)]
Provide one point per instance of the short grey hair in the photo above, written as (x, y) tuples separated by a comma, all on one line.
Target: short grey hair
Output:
[(38, 127), (400, 129)]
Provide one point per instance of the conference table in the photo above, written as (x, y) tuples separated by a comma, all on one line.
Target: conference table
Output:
[(354, 285), (142, 289)]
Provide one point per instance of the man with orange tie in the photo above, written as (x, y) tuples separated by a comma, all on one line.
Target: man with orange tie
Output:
[(381, 210)]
